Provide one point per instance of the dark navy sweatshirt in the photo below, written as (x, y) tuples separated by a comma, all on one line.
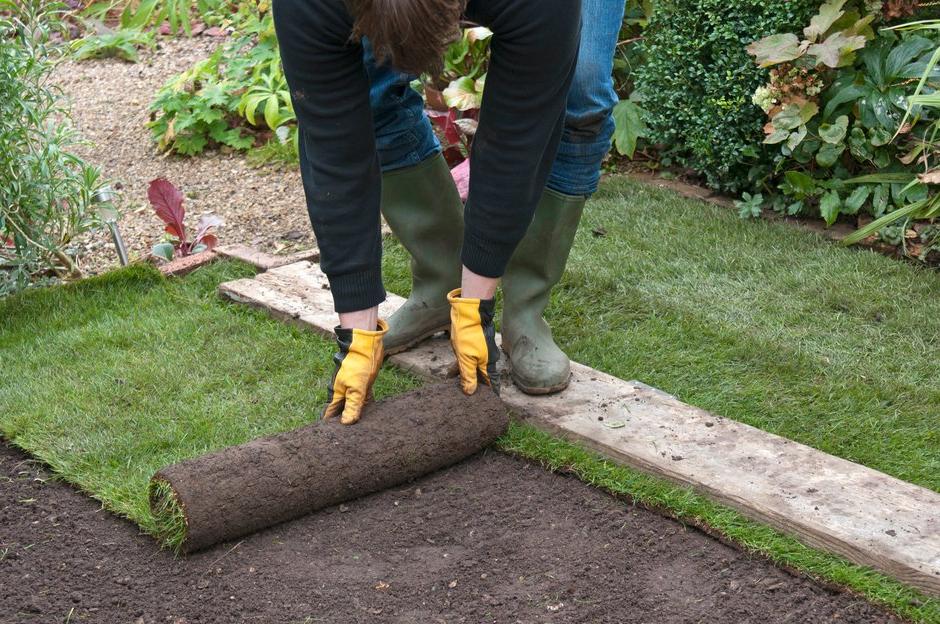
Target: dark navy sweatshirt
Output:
[(533, 54)]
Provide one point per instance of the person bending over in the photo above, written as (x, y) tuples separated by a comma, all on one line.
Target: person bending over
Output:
[(533, 55), (426, 215)]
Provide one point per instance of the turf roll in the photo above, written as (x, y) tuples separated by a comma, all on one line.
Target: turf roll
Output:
[(238, 490)]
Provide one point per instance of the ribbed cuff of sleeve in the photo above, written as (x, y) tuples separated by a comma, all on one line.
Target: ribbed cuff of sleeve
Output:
[(484, 257), (357, 291)]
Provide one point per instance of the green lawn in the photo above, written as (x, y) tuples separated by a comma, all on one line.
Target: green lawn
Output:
[(760, 322), (112, 378)]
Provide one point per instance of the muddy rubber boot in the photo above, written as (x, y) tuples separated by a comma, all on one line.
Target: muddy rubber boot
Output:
[(424, 211), (536, 364)]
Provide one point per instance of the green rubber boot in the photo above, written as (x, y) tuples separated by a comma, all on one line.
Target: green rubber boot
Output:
[(536, 364), (422, 207)]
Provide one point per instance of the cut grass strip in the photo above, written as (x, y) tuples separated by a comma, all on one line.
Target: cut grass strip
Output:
[(760, 322), (683, 504), (110, 379)]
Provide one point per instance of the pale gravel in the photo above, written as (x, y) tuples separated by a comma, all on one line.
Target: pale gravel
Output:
[(110, 102)]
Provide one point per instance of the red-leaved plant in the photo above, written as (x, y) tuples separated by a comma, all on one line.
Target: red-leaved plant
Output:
[(167, 202)]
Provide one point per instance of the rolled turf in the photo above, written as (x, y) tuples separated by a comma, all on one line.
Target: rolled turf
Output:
[(242, 489)]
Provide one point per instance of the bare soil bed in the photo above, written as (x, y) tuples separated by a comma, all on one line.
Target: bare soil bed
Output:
[(493, 539)]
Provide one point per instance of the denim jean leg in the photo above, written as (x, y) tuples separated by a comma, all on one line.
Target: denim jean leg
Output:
[(403, 133), (589, 125)]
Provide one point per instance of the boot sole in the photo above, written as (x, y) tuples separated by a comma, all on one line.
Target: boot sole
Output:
[(540, 390), (534, 390), (416, 341)]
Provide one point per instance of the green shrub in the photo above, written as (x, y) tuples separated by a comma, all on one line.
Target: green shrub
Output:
[(46, 192), (697, 82)]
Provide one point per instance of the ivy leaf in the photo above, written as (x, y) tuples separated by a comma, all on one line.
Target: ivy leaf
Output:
[(829, 154), (629, 126), (879, 136), (829, 207), (789, 118), (837, 50), (775, 49), (796, 137), (829, 12), (834, 133)]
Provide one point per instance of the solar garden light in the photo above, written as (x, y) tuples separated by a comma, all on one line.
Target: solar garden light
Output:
[(109, 215)]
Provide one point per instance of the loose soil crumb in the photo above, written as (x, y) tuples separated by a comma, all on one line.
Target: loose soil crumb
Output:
[(110, 99), (493, 539)]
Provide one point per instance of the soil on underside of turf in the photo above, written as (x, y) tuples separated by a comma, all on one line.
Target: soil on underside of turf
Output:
[(493, 539)]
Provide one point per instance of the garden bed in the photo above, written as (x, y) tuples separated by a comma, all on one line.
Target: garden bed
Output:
[(110, 100), (493, 539)]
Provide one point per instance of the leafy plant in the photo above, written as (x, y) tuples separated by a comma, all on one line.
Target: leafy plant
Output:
[(922, 106), (176, 14), (46, 191), (696, 84), (167, 202), (106, 42), (749, 206), (236, 97), (835, 102), (193, 110)]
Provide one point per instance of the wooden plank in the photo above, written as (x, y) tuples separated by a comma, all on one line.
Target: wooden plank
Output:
[(861, 514), (263, 260)]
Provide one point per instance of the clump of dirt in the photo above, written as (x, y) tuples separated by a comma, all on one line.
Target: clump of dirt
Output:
[(241, 489), (493, 539)]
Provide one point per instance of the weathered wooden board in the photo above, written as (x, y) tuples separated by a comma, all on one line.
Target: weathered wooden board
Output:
[(827, 502), (263, 260)]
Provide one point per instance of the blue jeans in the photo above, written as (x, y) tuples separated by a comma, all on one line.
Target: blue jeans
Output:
[(404, 136)]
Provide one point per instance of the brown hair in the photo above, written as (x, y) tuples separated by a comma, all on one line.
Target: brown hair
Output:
[(410, 34)]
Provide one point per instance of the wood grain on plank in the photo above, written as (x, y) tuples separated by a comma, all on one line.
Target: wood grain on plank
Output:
[(263, 260), (833, 504)]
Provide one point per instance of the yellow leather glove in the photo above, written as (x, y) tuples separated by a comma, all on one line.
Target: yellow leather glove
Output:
[(357, 364), (473, 337)]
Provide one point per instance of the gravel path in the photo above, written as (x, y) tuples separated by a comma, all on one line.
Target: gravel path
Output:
[(262, 207)]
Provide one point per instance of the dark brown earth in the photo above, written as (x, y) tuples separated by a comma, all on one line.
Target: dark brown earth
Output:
[(241, 489), (493, 539)]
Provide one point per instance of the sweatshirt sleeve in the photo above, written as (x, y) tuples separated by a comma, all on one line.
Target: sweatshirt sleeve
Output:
[(339, 165), (533, 56)]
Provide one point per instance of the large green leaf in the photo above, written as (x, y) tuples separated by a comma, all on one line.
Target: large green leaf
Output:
[(829, 12), (829, 207), (629, 126), (856, 199), (462, 94), (799, 184), (837, 50), (843, 95), (775, 49), (905, 52)]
